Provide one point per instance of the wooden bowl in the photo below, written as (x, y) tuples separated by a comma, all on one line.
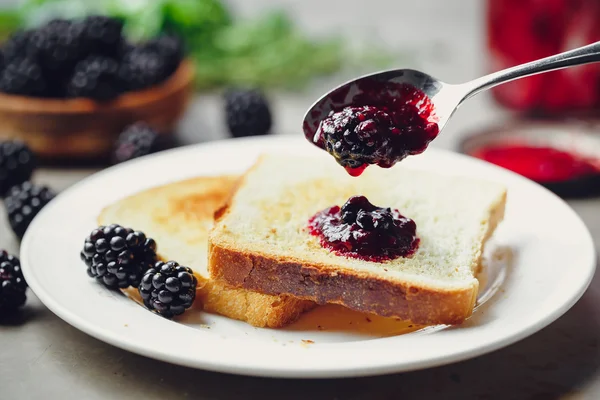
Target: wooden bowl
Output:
[(59, 129)]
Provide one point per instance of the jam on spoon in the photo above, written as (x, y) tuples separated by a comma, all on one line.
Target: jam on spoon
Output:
[(372, 119), (385, 123)]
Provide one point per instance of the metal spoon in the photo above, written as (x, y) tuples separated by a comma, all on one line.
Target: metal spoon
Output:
[(445, 97)]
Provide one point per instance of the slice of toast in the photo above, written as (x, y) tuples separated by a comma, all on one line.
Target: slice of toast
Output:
[(178, 216), (260, 239)]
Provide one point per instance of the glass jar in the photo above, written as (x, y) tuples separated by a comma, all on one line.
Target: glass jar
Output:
[(524, 30)]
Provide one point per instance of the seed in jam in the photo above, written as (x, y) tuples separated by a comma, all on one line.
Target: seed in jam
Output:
[(384, 124), (361, 230)]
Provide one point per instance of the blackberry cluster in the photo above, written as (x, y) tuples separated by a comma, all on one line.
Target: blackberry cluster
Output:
[(12, 284), (22, 199), (17, 163), (57, 46), (23, 77), (247, 112), (23, 203), (87, 57), (168, 288), (118, 257), (96, 77), (135, 141), (15, 47)]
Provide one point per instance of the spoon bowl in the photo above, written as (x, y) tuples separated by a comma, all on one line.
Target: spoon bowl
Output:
[(445, 97)]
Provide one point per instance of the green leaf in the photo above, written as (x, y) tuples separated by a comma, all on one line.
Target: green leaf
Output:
[(10, 20), (143, 18), (195, 17)]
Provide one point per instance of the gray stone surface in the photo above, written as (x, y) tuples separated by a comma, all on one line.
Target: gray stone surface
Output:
[(42, 357)]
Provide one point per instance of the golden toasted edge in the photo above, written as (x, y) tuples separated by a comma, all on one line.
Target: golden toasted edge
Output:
[(257, 309)]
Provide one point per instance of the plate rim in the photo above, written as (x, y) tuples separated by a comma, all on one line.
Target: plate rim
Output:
[(113, 338)]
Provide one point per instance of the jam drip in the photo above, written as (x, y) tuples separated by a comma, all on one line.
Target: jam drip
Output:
[(361, 230), (385, 123)]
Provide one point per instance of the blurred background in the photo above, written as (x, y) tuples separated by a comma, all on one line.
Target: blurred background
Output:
[(293, 51), (76, 97)]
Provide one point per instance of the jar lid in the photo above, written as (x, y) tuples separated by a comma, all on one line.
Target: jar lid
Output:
[(561, 156)]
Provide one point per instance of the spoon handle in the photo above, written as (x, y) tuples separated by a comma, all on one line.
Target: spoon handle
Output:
[(582, 55)]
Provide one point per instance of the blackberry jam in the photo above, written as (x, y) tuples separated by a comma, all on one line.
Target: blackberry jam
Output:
[(361, 230), (385, 123)]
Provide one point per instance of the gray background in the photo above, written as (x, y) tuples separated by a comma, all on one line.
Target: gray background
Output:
[(42, 357)]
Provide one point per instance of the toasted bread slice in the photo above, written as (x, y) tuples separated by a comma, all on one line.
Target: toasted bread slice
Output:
[(260, 239), (178, 216)]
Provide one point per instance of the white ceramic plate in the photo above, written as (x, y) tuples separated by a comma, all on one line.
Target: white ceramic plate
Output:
[(538, 264)]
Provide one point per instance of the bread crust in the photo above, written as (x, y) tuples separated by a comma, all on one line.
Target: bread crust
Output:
[(257, 309), (357, 290)]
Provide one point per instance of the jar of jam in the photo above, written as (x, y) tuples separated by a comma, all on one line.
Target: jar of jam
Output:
[(563, 156), (524, 30)]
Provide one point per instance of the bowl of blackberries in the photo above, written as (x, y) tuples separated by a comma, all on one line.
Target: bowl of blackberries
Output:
[(69, 87)]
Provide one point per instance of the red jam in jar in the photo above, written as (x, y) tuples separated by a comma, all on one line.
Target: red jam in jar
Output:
[(520, 31), (541, 164)]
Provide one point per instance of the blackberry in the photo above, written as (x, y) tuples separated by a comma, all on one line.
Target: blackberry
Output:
[(141, 68), (58, 46), (124, 48), (17, 163), (117, 256), (12, 284), (170, 48), (56, 87), (96, 77), (247, 112), (23, 203), (168, 288), (103, 34), (358, 135), (23, 77), (137, 140), (15, 47)]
